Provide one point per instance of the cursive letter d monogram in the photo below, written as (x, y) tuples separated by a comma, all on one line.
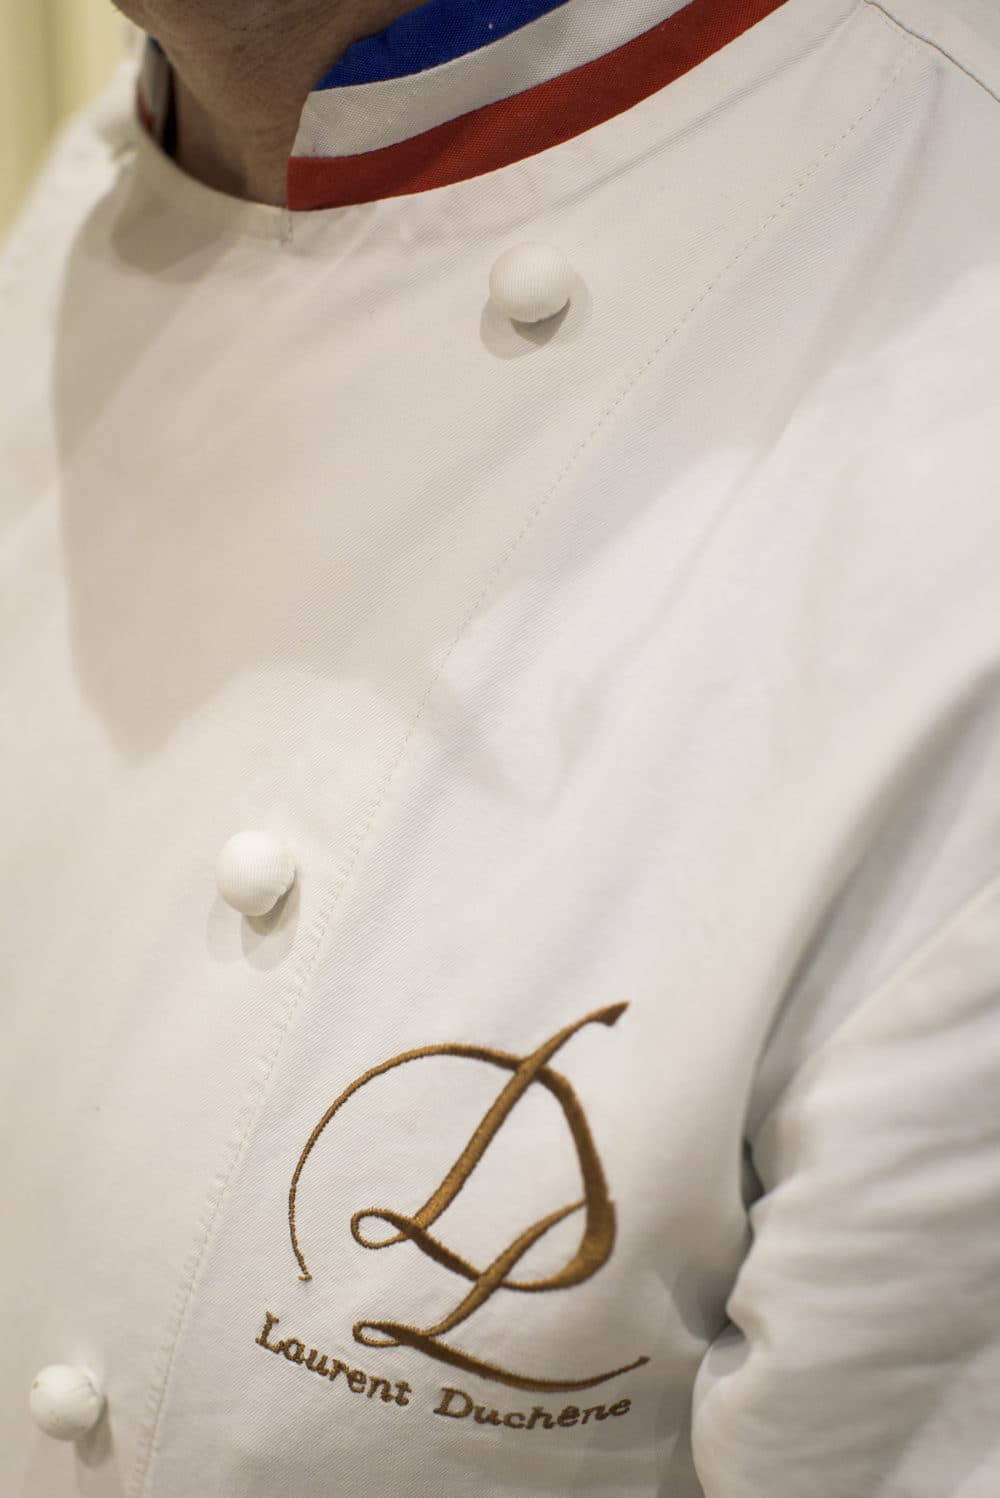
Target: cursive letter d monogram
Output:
[(595, 1244)]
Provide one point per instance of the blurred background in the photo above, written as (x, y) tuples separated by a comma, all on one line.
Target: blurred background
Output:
[(55, 56)]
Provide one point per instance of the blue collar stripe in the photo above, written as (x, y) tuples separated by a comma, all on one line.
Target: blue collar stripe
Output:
[(438, 32)]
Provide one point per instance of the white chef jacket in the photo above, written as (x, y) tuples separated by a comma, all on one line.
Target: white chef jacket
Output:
[(604, 1097)]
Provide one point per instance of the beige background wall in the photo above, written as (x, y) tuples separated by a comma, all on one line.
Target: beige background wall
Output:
[(55, 55)]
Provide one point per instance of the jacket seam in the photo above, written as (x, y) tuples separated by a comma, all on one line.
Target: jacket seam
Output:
[(898, 975), (934, 45), (924, 949)]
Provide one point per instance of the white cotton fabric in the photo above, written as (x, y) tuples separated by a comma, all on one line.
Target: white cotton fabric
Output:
[(648, 658)]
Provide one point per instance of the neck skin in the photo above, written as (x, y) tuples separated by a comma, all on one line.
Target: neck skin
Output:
[(243, 70)]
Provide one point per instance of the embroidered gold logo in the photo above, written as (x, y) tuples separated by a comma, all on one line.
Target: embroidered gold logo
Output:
[(596, 1242)]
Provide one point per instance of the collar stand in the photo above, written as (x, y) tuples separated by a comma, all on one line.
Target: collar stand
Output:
[(454, 90)]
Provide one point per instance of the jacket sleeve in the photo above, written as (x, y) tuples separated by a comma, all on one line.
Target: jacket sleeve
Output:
[(861, 1358)]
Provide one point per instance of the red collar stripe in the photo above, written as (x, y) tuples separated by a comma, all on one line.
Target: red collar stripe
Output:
[(493, 137)]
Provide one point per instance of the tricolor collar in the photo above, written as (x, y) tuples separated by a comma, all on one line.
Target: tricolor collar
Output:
[(459, 88)]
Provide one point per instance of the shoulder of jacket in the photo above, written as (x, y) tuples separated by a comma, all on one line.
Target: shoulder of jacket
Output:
[(965, 33), (75, 169)]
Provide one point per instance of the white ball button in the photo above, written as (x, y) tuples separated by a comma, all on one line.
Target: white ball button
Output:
[(65, 1402), (253, 871), (531, 282)]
